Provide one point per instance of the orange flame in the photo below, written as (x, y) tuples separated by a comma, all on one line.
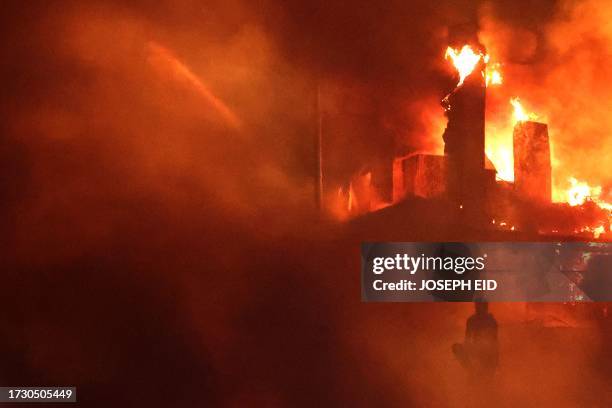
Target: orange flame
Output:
[(465, 61), (493, 75), (351, 193), (580, 192), (502, 157), (597, 231), (520, 114)]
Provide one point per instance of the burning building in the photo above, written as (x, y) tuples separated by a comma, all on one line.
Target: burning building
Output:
[(464, 136), (464, 178)]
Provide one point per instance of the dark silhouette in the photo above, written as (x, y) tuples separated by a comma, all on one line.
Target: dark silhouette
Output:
[(479, 351)]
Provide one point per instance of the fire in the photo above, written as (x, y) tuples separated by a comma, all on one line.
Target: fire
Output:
[(502, 157), (493, 74), (579, 192), (359, 197), (598, 231), (520, 115), (351, 193), (465, 61)]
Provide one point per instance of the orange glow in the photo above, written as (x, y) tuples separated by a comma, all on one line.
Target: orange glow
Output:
[(598, 231), (499, 147), (465, 61), (493, 75), (579, 192), (351, 194), (499, 142), (502, 157), (520, 114), (356, 199)]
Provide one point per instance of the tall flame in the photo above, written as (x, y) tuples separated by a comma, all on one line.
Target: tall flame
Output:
[(464, 61), (501, 154), (520, 114)]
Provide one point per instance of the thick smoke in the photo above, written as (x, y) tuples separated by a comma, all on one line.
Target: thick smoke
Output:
[(158, 246), (556, 58)]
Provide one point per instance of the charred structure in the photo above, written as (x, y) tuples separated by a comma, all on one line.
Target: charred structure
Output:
[(464, 140), (461, 189), (532, 168), (421, 175)]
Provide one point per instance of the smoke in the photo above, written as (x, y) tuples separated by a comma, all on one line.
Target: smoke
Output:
[(157, 200), (177, 103), (556, 58), (107, 117)]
